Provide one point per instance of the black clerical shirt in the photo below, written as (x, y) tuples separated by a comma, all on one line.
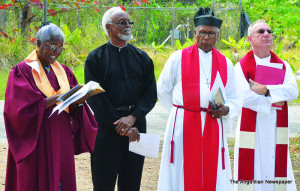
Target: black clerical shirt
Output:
[(127, 76)]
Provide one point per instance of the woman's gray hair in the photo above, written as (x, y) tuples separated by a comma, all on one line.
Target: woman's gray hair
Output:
[(49, 32), (106, 19)]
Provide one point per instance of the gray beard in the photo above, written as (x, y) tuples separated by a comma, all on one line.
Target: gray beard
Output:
[(125, 37)]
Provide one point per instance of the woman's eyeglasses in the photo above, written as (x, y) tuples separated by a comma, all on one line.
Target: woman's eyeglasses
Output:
[(123, 23), (55, 48)]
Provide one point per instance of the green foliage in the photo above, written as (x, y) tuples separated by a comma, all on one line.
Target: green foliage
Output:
[(158, 48), (72, 38), (282, 16), (79, 73), (3, 79), (13, 51), (235, 49), (279, 48), (241, 44), (227, 53), (188, 43)]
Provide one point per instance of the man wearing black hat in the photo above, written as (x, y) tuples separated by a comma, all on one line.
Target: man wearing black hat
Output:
[(195, 155)]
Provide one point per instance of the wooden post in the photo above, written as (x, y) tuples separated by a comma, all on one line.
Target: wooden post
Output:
[(45, 10)]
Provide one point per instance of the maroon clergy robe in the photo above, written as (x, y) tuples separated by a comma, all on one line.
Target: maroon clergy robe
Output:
[(41, 149)]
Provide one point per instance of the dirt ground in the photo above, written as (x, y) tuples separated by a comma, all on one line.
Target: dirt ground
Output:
[(83, 171), (149, 179)]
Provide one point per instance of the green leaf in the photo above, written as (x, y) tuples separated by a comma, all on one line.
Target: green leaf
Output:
[(227, 43), (178, 45), (231, 40), (160, 50), (228, 55), (279, 48), (153, 44), (156, 27), (66, 30), (240, 44), (160, 46), (186, 44), (294, 70)]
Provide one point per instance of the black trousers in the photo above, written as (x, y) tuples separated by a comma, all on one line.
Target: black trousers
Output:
[(111, 159)]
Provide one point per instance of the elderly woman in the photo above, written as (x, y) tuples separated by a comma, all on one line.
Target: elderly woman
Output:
[(41, 149)]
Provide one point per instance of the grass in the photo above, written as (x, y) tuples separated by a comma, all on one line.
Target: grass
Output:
[(3, 81), (79, 73)]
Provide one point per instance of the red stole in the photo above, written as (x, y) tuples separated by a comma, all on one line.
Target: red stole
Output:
[(248, 127), (200, 153)]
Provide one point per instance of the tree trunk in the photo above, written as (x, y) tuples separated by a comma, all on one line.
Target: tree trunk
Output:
[(26, 19), (15, 17), (3, 17)]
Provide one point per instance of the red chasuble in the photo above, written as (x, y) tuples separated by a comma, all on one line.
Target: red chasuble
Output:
[(248, 125), (200, 152)]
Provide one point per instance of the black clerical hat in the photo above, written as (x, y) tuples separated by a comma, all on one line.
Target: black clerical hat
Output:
[(206, 17)]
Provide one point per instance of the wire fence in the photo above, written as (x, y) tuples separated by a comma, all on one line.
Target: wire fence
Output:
[(152, 24)]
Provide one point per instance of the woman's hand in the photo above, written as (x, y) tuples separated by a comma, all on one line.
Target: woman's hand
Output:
[(50, 101), (79, 102)]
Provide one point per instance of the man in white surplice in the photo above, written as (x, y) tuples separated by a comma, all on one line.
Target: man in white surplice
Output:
[(173, 173), (267, 137)]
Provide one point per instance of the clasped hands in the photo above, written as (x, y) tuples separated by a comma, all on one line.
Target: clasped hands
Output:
[(262, 90), (124, 128)]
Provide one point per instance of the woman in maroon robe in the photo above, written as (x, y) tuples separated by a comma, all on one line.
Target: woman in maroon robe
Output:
[(41, 149)]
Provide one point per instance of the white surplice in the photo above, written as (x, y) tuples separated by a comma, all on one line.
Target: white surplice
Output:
[(169, 88), (265, 137)]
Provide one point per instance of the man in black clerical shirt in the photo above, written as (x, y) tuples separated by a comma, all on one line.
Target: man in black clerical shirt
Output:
[(127, 75)]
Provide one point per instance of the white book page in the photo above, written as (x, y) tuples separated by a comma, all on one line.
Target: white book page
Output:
[(76, 96), (273, 65)]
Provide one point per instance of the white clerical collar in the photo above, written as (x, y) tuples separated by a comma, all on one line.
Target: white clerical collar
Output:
[(34, 65), (118, 46), (262, 60), (202, 52)]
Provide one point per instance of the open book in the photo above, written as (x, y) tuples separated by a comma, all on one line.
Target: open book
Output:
[(91, 88)]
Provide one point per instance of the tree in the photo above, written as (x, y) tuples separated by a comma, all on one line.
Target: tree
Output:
[(27, 17)]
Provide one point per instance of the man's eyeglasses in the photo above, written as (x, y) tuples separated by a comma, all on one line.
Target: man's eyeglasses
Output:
[(55, 48), (210, 35), (262, 31), (123, 23)]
